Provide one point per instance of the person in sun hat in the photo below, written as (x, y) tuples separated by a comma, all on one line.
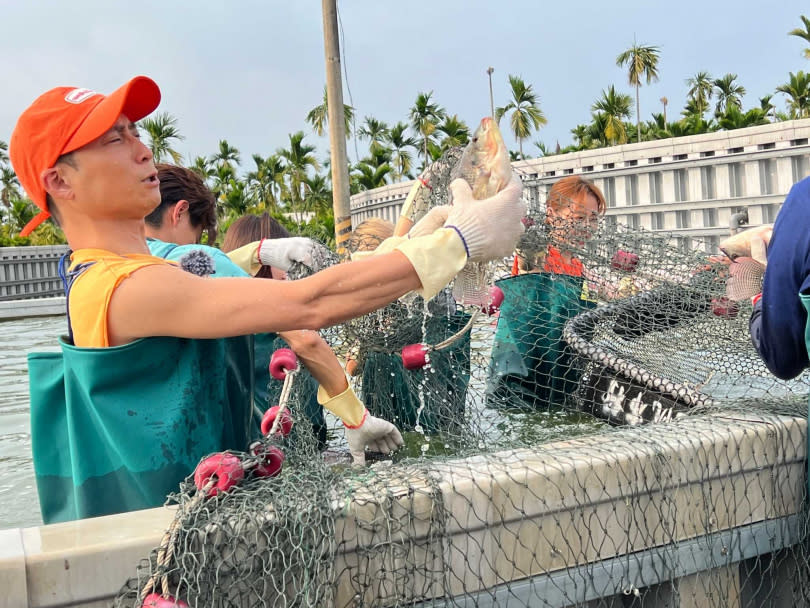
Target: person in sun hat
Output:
[(145, 333)]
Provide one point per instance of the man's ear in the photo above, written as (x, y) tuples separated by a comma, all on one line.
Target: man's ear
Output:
[(55, 183), (178, 210)]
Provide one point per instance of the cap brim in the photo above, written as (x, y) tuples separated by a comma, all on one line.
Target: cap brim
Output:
[(137, 98)]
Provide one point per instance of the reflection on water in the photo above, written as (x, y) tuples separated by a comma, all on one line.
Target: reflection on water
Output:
[(18, 494)]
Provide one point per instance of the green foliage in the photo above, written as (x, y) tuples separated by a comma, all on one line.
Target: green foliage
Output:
[(803, 33), (797, 90), (162, 128), (525, 107), (424, 118), (615, 108), (642, 64)]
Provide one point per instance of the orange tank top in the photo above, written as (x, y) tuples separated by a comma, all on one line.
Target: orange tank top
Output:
[(92, 290)]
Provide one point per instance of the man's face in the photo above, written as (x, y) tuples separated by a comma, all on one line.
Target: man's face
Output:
[(114, 176)]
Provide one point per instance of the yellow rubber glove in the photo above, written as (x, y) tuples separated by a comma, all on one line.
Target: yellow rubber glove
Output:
[(247, 258), (345, 406), (436, 257)]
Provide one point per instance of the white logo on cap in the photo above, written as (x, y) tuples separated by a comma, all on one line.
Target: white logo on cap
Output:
[(79, 95)]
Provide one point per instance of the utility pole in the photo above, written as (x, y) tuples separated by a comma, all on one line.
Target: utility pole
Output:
[(337, 126), (490, 69)]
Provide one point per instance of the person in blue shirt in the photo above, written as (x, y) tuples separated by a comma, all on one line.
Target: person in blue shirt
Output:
[(779, 321), (187, 210)]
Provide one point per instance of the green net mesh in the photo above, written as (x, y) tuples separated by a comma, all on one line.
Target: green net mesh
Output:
[(609, 438)]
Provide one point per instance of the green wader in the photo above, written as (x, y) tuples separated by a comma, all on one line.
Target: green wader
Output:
[(393, 393), (116, 429), (304, 390), (529, 353)]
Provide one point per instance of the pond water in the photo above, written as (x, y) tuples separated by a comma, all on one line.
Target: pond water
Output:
[(19, 506)]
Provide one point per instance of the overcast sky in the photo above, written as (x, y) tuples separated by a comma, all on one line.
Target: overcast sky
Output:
[(249, 71)]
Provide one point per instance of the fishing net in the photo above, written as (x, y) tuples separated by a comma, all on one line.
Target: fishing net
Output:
[(608, 438)]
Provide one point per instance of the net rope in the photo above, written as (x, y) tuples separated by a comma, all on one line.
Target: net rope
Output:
[(608, 438)]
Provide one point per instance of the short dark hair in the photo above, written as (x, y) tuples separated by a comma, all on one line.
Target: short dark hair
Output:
[(178, 184)]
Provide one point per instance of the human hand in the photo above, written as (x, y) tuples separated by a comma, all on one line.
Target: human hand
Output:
[(433, 220), (376, 434), (490, 228), (282, 253)]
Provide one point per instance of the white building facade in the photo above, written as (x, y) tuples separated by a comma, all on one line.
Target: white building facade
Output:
[(687, 186)]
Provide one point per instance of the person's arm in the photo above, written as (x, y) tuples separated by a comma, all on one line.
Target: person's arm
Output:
[(166, 301), (779, 320), (318, 358), (161, 301), (334, 393)]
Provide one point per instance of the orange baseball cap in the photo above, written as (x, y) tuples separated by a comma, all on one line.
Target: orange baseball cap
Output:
[(63, 120)]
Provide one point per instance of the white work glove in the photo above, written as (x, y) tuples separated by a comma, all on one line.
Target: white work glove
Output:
[(433, 220), (362, 429), (490, 228), (282, 253), (375, 434)]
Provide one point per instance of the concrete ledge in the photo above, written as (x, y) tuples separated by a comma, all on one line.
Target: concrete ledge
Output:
[(628, 506), (36, 307)]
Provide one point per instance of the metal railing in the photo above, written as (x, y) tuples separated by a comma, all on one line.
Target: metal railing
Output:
[(30, 272)]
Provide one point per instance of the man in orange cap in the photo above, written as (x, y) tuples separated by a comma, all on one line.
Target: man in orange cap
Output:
[(78, 155)]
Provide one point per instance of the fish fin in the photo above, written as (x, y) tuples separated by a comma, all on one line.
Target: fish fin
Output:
[(745, 280)]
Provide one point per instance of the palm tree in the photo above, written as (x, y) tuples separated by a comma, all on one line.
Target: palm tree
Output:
[(542, 148), (318, 197), (399, 143), (235, 200), (222, 178), (201, 165), (369, 177), (595, 135), (728, 93), (767, 106), (615, 107), (20, 213), (734, 118), (162, 128), (318, 117), (376, 131), (804, 34), (3, 151), (580, 133), (642, 62), (664, 102), (701, 87), (299, 157), (526, 113), (424, 117), (226, 156), (265, 183), (797, 90), (9, 186), (456, 132)]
